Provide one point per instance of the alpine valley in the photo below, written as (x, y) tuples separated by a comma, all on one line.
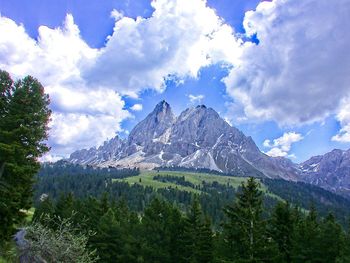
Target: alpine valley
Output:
[(200, 139)]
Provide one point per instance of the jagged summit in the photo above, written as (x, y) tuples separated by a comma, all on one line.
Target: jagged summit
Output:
[(330, 171), (197, 138), (200, 138), (163, 105), (153, 126)]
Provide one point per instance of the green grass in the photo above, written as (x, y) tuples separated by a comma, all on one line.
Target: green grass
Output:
[(146, 179), (30, 214)]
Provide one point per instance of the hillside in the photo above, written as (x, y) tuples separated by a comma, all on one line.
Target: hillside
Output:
[(215, 191)]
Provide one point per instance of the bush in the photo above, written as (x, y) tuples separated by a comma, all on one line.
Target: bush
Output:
[(62, 243)]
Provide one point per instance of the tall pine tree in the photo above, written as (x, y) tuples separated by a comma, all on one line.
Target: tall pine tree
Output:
[(282, 230), (198, 243), (245, 232), (24, 117)]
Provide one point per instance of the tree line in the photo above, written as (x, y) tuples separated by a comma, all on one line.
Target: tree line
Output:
[(163, 233)]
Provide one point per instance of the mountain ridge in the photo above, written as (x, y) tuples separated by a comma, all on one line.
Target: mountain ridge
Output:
[(199, 138)]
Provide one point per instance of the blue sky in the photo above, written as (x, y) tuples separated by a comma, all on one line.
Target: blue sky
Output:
[(252, 62)]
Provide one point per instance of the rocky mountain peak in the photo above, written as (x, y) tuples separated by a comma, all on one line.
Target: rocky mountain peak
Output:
[(162, 106), (153, 126), (197, 138)]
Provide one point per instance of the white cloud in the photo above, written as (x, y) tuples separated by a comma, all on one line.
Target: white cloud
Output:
[(136, 107), (50, 158), (86, 84), (56, 57), (282, 145), (82, 116), (196, 98), (87, 121), (287, 77), (298, 73), (178, 39), (343, 117)]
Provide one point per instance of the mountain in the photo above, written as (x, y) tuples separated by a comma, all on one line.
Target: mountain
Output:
[(110, 150), (200, 138), (197, 138), (330, 171)]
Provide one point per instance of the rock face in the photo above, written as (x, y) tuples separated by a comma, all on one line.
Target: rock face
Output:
[(200, 138), (330, 171), (110, 150), (197, 138)]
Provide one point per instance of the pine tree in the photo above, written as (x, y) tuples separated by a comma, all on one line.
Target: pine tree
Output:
[(344, 256), (206, 243), (24, 117), (245, 231), (107, 240), (65, 206), (330, 240), (306, 241), (162, 229), (282, 229), (197, 236), (44, 209)]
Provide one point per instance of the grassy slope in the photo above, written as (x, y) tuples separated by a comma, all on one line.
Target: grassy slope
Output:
[(195, 178)]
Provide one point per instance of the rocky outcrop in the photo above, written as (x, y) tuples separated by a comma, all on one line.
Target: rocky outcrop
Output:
[(330, 171)]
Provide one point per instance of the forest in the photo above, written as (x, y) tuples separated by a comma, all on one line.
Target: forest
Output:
[(165, 233)]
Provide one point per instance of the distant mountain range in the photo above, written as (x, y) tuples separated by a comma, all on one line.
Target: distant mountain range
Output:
[(200, 138)]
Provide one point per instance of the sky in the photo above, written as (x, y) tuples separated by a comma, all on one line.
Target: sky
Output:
[(277, 70)]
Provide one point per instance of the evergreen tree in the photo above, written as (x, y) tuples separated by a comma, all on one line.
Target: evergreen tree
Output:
[(197, 236), (344, 256), (245, 231), (282, 229), (45, 208), (206, 243), (107, 241), (305, 245), (65, 206), (162, 233), (24, 117), (330, 240)]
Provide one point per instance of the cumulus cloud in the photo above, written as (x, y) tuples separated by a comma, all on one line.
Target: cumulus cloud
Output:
[(302, 53), (82, 116), (298, 72), (136, 107), (178, 39), (196, 99), (86, 84), (55, 57), (282, 145), (343, 117)]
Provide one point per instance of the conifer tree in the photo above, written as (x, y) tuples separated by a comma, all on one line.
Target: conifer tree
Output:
[(107, 240), (344, 255), (162, 233), (45, 208), (245, 231), (197, 236), (206, 243), (305, 245), (65, 206), (24, 117), (330, 240), (282, 229)]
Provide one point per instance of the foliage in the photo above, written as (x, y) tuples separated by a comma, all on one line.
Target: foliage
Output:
[(62, 243), (161, 232), (24, 117)]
